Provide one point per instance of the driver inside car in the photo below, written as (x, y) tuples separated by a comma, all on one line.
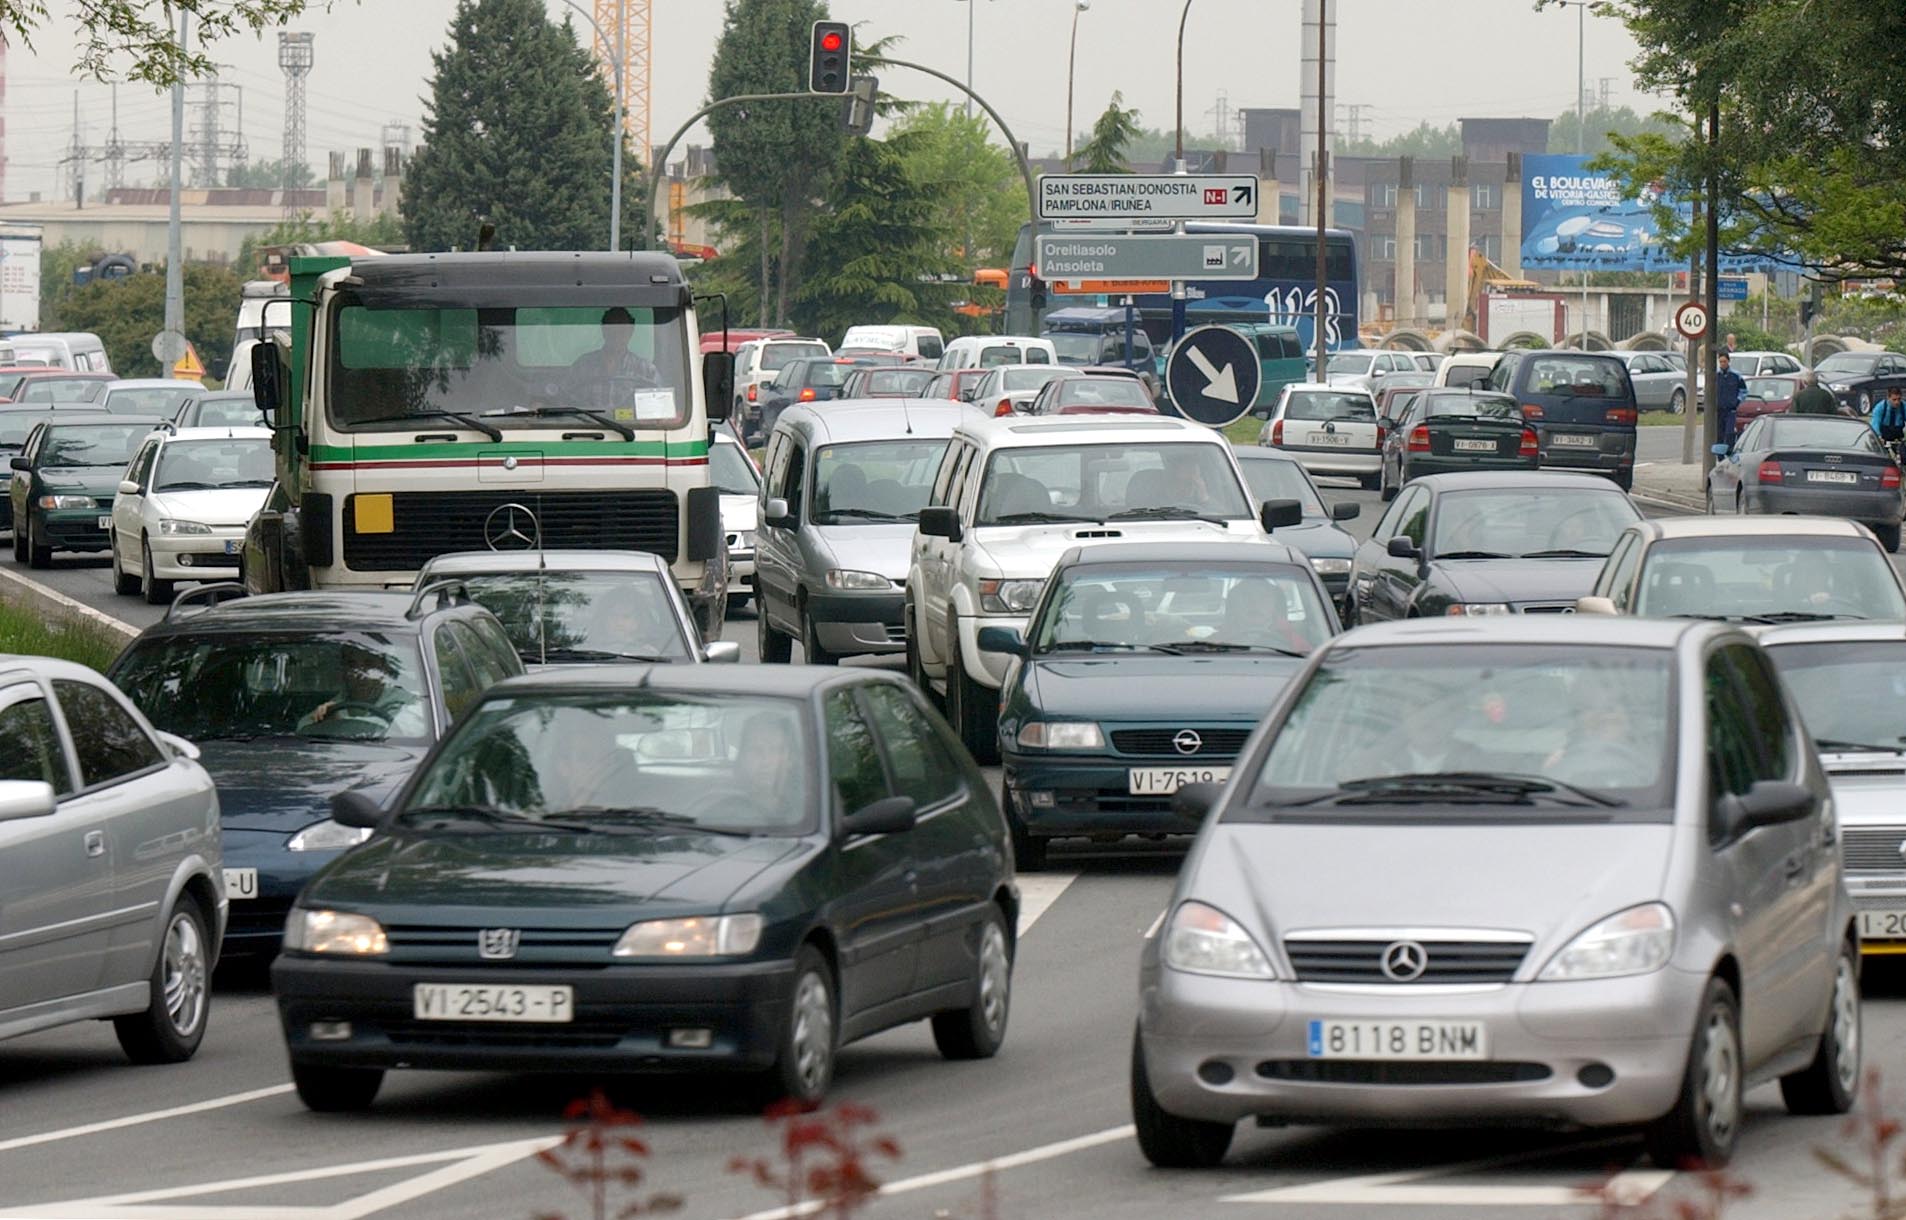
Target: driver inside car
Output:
[(366, 694)]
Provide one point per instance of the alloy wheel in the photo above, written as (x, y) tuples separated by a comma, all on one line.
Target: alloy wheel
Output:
[(1846, 1024), (184, 979), (995, 978), (1720, 1079), (813, 1031)]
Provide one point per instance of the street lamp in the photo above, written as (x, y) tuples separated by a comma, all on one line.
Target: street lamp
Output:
[(621, 54), (971, 5), (1079, 6), (1581, 109), (1179, 123)]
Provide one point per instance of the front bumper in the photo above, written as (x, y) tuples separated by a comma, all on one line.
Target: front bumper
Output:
[(257, 925), (1539, 1036), (197, 556), (622, 1015), (1880, 507), (1885, 892), (853, 624)]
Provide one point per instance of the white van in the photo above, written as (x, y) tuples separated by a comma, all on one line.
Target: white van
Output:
[(80, 351), (921, 341), (1467, 368), (991, 351)]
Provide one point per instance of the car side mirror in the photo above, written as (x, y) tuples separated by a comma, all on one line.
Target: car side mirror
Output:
[(718, 384), (1345, 511), (1386, 423), (268, 381), (130, 487), (1192, 803), (722, 652), (20, 798), (1007, 640), (776, 514), (1274, 513), (1401, 547), (356, 810), (1595, 605), (940, 521), (887, 816), (20, 463), (180, 747), (1770, 802)]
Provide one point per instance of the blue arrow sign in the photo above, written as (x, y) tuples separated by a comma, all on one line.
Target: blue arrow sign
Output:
[(1213, 375)]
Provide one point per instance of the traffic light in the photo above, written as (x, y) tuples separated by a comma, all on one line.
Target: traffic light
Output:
[(829, 52)]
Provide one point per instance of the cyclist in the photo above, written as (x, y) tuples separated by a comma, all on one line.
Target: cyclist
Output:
[(1889, 418)]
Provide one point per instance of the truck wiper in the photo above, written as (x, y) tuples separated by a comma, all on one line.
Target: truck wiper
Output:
[(616, 425), (455, 417)]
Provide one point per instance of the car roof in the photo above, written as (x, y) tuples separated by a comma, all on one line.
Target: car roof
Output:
[(872, 419), (1845, 632), (1040, 366), (1749, 527), (774, 681), (1244, 550), (306, 610), (1584, 630), (1336, 387), (48, 371), (216, 432), (1474, 358), (1468, 480), (226, 395), (464, 563), (152, 383), (13, 665), (1022, 430), (69, 418)]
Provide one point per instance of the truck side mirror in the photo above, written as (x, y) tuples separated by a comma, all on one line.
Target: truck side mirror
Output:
[(718, 384), (267, 383)]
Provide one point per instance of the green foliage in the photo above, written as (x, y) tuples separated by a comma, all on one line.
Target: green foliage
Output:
[(1748, 336), (379, 232), (112, 31), (1424, 141), (57, 265), (126, 313), (519, 134), (24, 633), (979, 196), (1876, 317), (1108, 149), (269, 175), (1603, 124)]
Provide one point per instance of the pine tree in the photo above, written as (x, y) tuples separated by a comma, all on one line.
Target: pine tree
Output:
[(518, 134), (1108, 150)]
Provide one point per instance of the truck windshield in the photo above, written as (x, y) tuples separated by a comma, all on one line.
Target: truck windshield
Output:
[(399, 369)]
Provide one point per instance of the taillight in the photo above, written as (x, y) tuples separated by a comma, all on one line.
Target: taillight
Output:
[(1620, 415), (1531, 411), (1770, 472), (1004, 408), (1889, 478), (1528, 447), (1419, 439), (1277, 433), (807, 395), (751, 393)]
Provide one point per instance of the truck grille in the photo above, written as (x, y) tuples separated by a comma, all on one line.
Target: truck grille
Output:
[(1873, 849), (1449, 961), (1221, 742), (431, 523)]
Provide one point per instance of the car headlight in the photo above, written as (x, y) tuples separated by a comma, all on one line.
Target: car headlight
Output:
[(1061, 735), (327, 836), (340, 932), (847, 578), (68, 502), (1330, 567), (169, 526), (702, 936), (1204, 940), (1838, 385), (1635, 941), (1460, 608), (1009, 596)]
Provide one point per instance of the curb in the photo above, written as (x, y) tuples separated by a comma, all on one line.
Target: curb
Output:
[(1669, 499), (54, 605)]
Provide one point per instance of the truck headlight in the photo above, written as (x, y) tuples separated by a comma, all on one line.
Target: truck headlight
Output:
[(327, 836), (1009, 596), (1200, 939), (702, 936), (167, 525), (1061, 735), (1635, 941), (341, 932), (847, 578), (68, 502)]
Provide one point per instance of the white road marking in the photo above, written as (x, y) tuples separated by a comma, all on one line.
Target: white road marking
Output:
[(466, 1163), (961, 1173), (53, 603), (1037, 893), (1411, 1189), (151, 1116)]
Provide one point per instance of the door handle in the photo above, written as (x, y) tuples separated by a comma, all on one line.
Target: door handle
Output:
[(1796, 865), (95, 842)]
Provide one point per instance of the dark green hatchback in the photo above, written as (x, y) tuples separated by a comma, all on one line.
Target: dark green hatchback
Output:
[(1448, 431), (659, 868), (64, 481)]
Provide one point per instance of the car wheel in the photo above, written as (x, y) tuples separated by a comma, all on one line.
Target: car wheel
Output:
[(1369, 482), (172, 1024), (1831, 1083), (1888, 536), (19, 539), (805, 1067), (978, 1030), (1705, 1123), (1678, 402), (736, 601), (158, 592), (124, 583), (1029, 850), (812, 651), (775, 648), (916, 668), (1168, 1141), (331, 1090), (973, 709), (38, 555)]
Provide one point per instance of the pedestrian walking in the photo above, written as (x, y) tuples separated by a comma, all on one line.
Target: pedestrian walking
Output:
[(1812, 398)]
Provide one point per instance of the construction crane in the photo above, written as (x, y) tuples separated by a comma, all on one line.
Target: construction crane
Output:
[(634, 68)]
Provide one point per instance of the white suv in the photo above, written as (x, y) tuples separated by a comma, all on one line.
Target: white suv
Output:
[(1014, 494), (756, 363)]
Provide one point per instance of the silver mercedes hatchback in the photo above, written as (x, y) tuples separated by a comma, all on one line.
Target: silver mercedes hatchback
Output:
[(1557, 871)]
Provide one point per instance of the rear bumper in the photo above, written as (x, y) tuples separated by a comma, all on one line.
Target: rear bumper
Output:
[(1878, 507), (1612, 450), (1320, 460), (1420, 465)]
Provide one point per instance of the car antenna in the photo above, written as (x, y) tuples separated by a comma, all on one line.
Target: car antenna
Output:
[(906, 416)]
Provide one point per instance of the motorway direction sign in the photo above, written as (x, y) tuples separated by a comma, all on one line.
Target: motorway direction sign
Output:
[(1153, 196), (1731, 288), (1119, 256), (1213, 375)]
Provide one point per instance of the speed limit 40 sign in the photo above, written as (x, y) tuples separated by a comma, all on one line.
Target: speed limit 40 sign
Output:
[(1690, 318)]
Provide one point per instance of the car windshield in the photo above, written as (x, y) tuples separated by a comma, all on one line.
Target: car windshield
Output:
[(224, 412), (351, 686), (1772, 577), (1818, 432), (1103, 392), (62, 389), (1191, 608), (1524, 521), (1579, 376), (1847, 364), (776, 355), (560, 617), (1483, 406), (1075, 347), (1029, 379), (1852, 693), (730, 470), (1280, 479), (868, 482), (1770, 388), (207, 465), (402, 368), (92, 444), (1350, 364), (152, 400), (1101, 482), (638, 762), (15, 426), (1525, 730), (1329, 404)]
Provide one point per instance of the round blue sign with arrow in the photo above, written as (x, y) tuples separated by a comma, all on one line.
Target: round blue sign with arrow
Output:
[(1213, 375)]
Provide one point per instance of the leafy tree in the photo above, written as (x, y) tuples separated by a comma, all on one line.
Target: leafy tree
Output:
[(148, 32), (1108, 149), (777, 158), (57, 265), (382, 231), (269, 175), (979, 195), (1604, 123), (126, 313), (1422, 141), (519, 134)]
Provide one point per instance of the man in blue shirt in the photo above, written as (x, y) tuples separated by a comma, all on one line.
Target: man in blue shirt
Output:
[(1889, 416), (1729, 389)]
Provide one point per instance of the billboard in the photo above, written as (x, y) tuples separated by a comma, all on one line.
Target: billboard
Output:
[(1574, 219)]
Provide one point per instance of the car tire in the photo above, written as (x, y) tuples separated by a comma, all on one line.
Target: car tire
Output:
[(979, 1030), (1705, 1124), (38, 555), (1369, 482), (334, 1090), (1678, 402), (1170, 1142), (804, 1067), (179, 1001), (916, 668), (1831, 1083), (157, 592), (19, 540), (1029, 850), (736, 601), (812, 651), (1888, 536), (124, 583), (1386, 489), (775, 648), (973, 709)]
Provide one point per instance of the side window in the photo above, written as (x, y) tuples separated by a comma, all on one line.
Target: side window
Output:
[(1621, 571), (109, 742), (140, 471), (1771, 732), (957, 487), (796, 478), (777, 464), (487, 649), (1415, 522), (1036, 355), (460, 687), (29, 744), (852, 754), (922, 767), (1386, 528), (1498, 378), (930, 347), (1730, 750), (944, 479)]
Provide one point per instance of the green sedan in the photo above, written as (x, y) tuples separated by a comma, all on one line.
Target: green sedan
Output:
[(64, 481)]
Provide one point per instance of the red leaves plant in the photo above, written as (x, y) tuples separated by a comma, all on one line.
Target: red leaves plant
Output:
[(600, 1151), (823, 1158)]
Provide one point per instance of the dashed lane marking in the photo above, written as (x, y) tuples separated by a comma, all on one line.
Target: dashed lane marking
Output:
[(1037, 893)]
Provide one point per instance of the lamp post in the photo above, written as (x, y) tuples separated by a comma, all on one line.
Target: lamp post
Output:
[(1581, 111), (1178, 124), (1072, 55), (971, 5), (621, 54)]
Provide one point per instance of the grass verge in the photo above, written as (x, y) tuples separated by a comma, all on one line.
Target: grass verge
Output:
[(26, 633), (1660, 419), (1244, 431)]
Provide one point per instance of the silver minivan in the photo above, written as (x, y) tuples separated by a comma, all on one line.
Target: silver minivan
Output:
[(1548, 870), (844, 484)]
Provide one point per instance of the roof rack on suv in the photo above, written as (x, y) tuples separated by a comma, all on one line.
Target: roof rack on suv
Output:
[(212, 595), (448, 592)]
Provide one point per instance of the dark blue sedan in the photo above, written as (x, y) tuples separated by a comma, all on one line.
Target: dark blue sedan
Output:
[(1144, 668)]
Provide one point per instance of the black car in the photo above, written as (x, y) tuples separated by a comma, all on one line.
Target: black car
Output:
[(1524, 543), (224, 409), (1445, 431), (293, 698), (16, 424), (64, 481), (1860, 379), (809, 379), (583, 876), (1581, 405), (1811, 464), (1272, 474)]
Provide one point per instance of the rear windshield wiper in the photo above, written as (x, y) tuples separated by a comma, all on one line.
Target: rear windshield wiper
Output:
[(616, 425), (468, 421)]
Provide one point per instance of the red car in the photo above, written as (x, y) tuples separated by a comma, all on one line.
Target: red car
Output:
[(711, 339), (1766, 396), (1093, 394), (956, 384)]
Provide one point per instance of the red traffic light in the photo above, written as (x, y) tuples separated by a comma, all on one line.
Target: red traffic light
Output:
[(831, 41)]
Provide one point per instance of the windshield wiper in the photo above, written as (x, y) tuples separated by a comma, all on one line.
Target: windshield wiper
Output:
[(1501, 787), (1854, 747), (1166, 513), (1565, 553), (1042, 518), (628, 433), (490, 815), (455, 417), (600, 654), (1472, 555), (187, 485), (1792, 616), (867, 514), (1191, 646), (1085, 646)]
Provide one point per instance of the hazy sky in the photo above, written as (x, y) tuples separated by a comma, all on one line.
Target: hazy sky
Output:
[(1404, 60)]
